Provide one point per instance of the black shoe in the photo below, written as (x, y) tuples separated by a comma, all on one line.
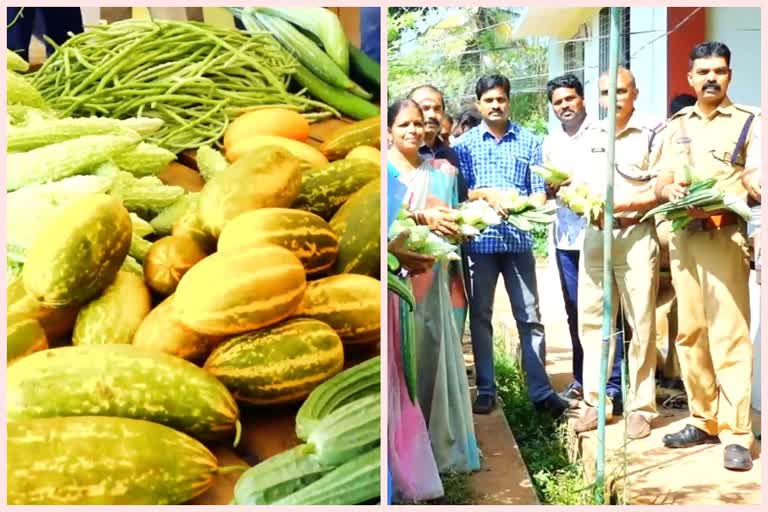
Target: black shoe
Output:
[(554, 404), (484, 404), (572, 392), (689, 436), (618, 404), (737, 458)]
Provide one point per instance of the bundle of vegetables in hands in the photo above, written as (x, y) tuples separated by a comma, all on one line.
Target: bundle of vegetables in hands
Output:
[(422, 240), (579, 199), (475, 217), (523, 214), (551, 175), (701, 193)]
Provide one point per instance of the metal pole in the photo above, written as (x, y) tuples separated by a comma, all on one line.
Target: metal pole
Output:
[(608, 327)]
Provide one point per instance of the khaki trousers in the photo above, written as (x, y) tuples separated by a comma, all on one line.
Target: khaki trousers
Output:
[(635, 282), (666, 329), (710, 272)]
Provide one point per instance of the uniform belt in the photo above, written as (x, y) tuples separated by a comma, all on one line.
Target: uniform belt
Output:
[(714, 222)]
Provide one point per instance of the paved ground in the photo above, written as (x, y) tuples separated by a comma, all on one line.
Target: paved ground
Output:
[(655, 475)]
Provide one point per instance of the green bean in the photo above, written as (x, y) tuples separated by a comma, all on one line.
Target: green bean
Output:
[(191, 75)]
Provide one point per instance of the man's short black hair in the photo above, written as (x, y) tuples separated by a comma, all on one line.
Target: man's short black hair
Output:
[(681, 101), (489, 82), (470, 118), (567, 81), (431, 88), (709, 49)]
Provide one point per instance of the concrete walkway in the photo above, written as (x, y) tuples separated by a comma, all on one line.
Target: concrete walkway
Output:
[(655, 475)]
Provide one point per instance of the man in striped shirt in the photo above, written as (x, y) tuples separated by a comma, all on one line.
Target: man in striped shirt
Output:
[(496, 157)]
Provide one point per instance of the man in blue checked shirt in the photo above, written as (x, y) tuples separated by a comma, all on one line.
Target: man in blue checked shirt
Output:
[(496, 156)]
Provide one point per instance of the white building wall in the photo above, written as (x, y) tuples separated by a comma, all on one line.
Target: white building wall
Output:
[(739, 28), (649, 61)]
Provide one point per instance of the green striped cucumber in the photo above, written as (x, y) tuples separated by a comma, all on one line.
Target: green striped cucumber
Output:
[(279, 476), (353, 383), (79, 253), (350, 303), (124, 381), (352, 483), (325, 189), (96, 460), (115, 315), (278, 365), (358, 224), (305, 234), (351, 429)]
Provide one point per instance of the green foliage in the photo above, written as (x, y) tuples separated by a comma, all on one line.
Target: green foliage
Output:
[(457, 490), (540, 241), (541, 439), (452, 47)]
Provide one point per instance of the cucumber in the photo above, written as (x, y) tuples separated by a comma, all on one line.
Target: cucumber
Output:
[(96, 460), (352, 483), (124, 381), (348, 431), (363, 66), (279, 476), (343, 101), (345, 387)]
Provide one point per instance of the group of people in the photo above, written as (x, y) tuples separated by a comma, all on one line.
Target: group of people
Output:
[(430, 427)]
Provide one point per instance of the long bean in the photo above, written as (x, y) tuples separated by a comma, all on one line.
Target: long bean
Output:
[(193, 76)]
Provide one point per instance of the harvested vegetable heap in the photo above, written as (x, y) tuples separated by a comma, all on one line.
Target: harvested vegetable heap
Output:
[(193, 76)]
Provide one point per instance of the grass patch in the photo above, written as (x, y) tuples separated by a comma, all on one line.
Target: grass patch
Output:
[(542, 441), (457, 490)]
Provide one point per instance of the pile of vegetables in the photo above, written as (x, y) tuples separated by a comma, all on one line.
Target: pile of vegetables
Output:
[(473, 218), (193, 76), (701, 193), (551, 174), (523, 214), (328, 62), (422, 240), (151, 298), (582, 201)]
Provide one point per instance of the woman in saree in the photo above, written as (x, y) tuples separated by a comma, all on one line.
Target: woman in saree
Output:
[(440, 298), (412, 471)]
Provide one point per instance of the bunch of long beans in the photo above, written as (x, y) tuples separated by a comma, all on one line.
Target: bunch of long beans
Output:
[(192, 75)]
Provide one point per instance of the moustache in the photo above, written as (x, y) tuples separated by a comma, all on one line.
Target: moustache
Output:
[(432, 121), (712, 87)]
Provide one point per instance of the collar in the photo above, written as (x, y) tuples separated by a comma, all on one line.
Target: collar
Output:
[(586, 124), (439, 144), (636, 122), (725, 108), (511, 128)]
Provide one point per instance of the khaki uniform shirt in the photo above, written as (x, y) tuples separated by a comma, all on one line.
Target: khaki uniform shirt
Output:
[(706, 144), (635, 150)]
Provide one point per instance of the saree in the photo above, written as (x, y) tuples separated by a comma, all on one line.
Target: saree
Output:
[(411, 464), (440, 315)]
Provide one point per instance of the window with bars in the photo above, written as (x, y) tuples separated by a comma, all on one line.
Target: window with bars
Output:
[(604, 33), (573, 59)]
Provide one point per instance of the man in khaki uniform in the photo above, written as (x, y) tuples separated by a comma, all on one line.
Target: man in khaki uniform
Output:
[(635, 259), (710, 260)]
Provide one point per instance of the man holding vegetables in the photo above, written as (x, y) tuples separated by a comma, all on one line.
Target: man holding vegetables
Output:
[(710, 262), (495, 157), (566, 94), (635, 264)]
